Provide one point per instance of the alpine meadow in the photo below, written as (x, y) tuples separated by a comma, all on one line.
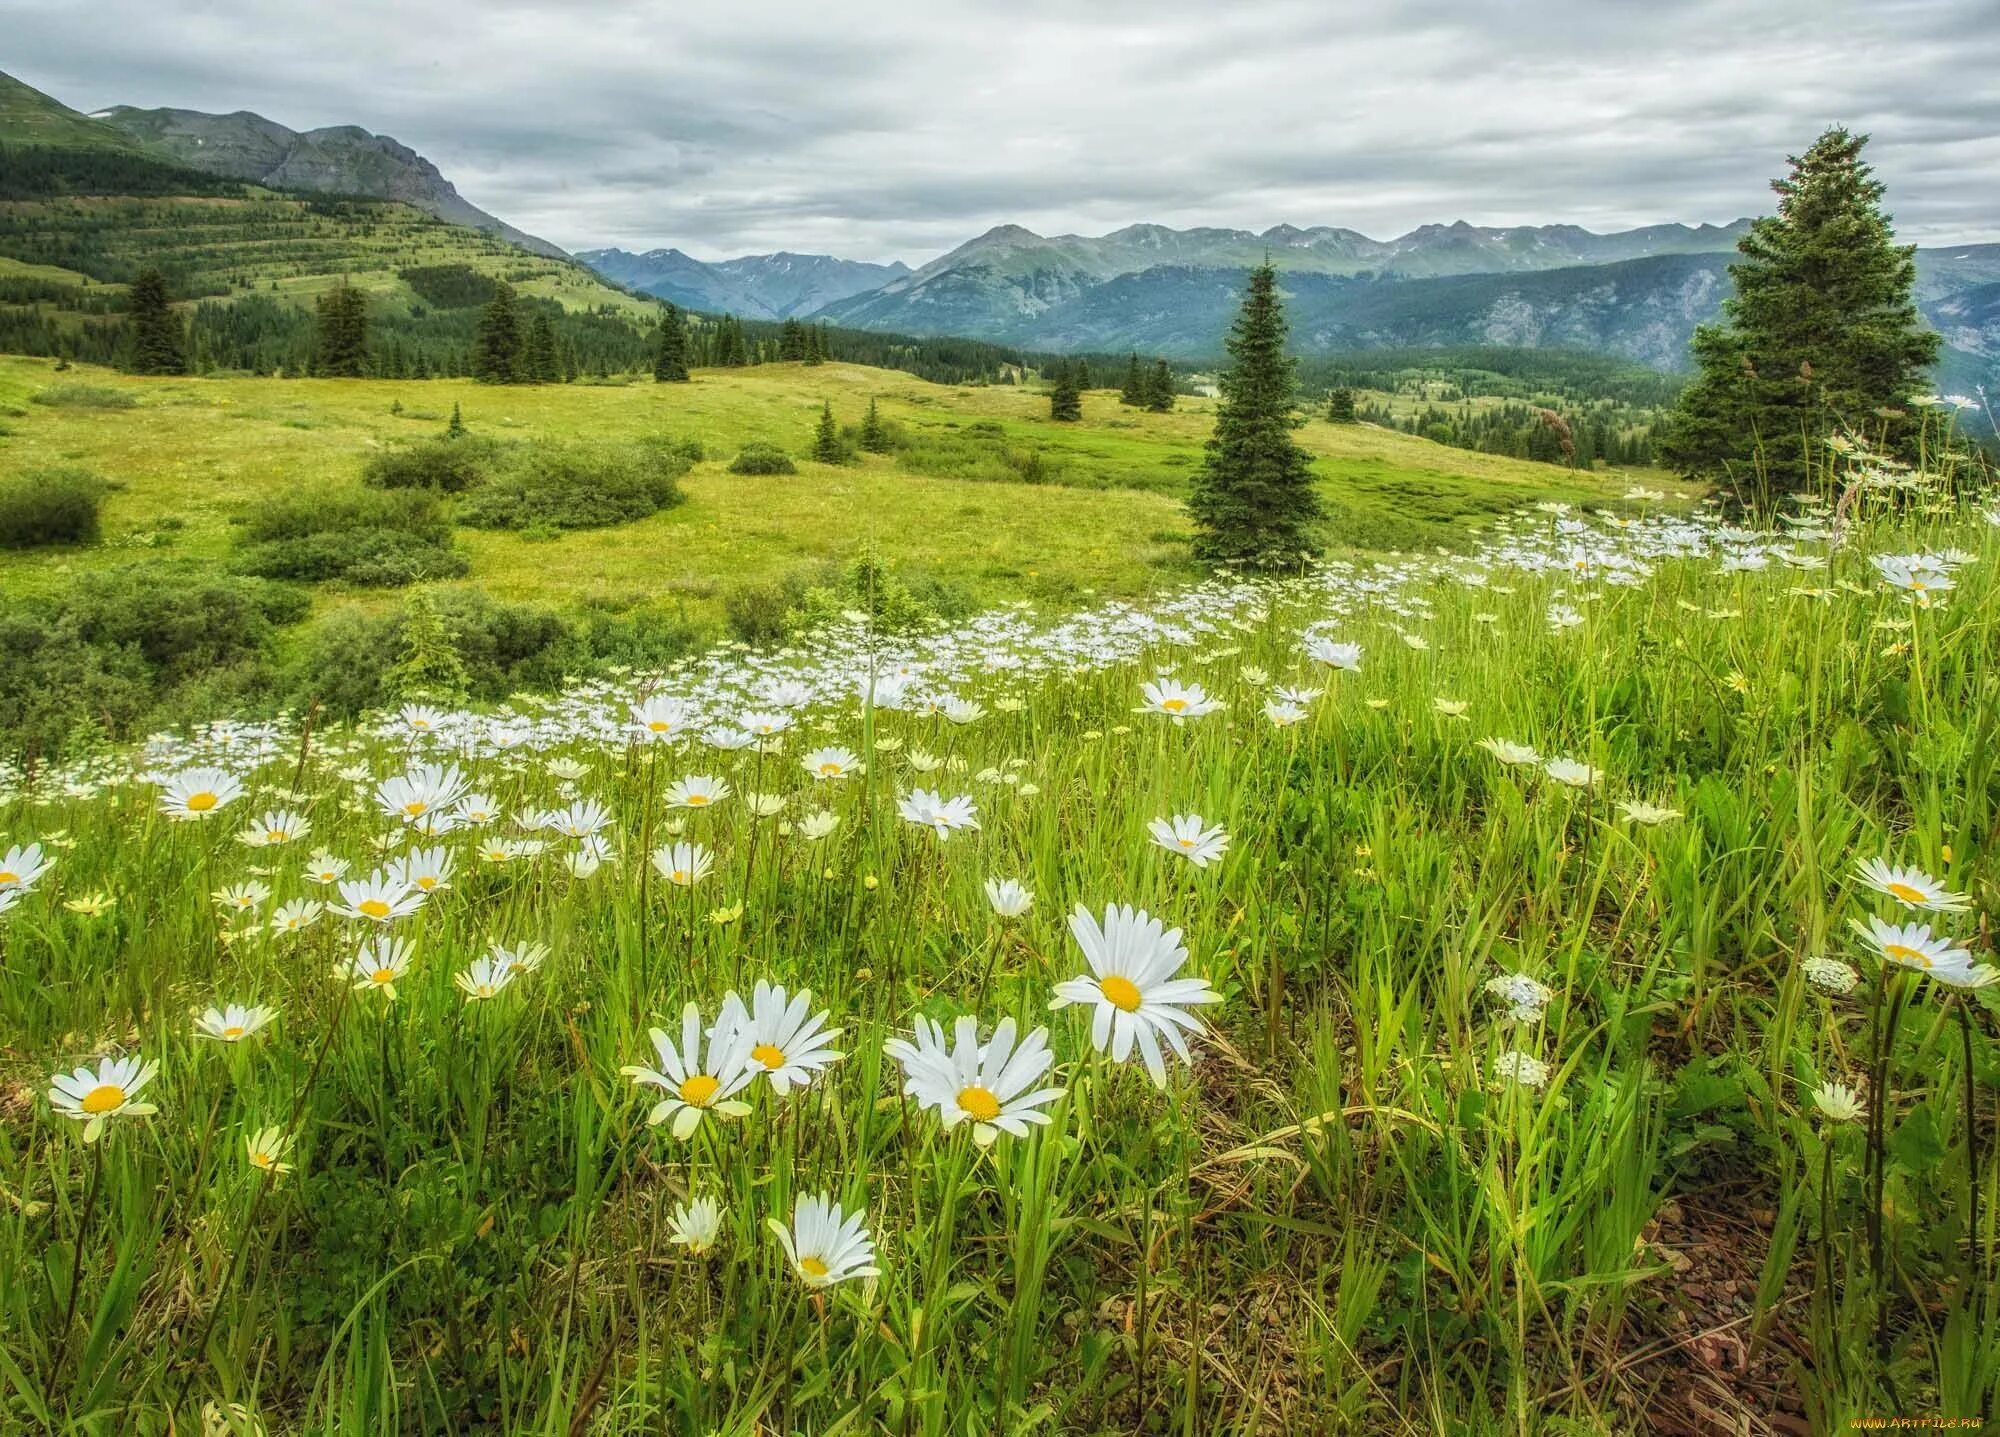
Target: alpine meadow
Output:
[(690, 812)]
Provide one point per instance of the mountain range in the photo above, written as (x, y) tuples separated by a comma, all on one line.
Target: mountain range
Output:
[(757, 286)]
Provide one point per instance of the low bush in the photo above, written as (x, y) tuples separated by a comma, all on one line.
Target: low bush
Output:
[(579, 486), (379, 538), (762, 459), (49, 506), (85, 396), (444, 466)]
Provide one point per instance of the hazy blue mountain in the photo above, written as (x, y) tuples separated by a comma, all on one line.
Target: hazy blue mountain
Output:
[(341, 159), (757, 286)]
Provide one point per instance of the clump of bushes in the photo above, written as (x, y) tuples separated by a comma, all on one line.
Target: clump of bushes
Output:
[(381, 538), (49, 506), (579, 486), (84, 396), (444, 466), (769, 612), (762, 459)]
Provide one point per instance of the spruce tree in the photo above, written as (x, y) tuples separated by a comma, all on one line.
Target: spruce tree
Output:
[(1253, 499), (455, 429), (496, 350), (158, 339), (1066, 398), (340, 333), (1134, 392), (874, 433), (1822, 333), (1340, 406), (670, 353), (791, 341), (826, 440), (429, 666), (815, 345), (538, 356), (1160, 389)]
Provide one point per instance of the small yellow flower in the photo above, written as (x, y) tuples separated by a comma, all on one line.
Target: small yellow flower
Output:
[(91, 905)]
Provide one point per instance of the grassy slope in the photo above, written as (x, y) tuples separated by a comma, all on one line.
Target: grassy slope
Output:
[(199, 450)]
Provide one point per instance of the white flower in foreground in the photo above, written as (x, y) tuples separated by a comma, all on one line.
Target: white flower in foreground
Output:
[(1283, 715), (683, 864), (591, 854), (485, 978), (1571, 774), (1510, 753), (1178, 701), (296, 916), (1008, 898), (195, 793), (94, 1098), (1525, 997), (695, 1225), (1911, 886), (22, 867), (1132, 989), (817, 825), (266, 1150), (1646, 814), (275, 828), (789, 1043), (1185, 835), (831, 763), (1913, 945), (521, 958), (1514, 1066), (426, 870), (1334, 655), (990, 1085), (660, 720), (421, 795), (1830, 974), (234, 1023), (697, 791), (825, 1244), (380, 965), (1839, 1103), (942, 815), (694, 1085), (380, 898)]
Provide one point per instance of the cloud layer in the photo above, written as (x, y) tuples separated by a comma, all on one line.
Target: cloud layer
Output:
[(898, 128)]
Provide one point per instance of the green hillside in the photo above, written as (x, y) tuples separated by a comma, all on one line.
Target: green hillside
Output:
[(28, 117)]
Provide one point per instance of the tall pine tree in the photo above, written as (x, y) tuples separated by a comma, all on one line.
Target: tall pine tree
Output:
[(1822, 333), (670, 353), (1066, 398), (1134, 392), (158, 338), (1253, 499), (1160, 388), (340, 333), (874, 433), (496, 350), (538, 354), (826, 439), (1340, 406)]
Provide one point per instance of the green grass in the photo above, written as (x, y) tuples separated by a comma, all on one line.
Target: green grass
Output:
[(199, 451), (1340, 1219)]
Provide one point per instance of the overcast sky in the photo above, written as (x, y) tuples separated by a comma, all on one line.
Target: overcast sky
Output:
[(881, 129)]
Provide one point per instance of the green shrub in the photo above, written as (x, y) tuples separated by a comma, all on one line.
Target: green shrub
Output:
[(762, 613), (445, 466), (381, 538), (762, 459), (85, 396), (49, 506), (578, 486)]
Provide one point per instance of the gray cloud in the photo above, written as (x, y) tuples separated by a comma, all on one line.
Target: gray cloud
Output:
[(898, 128)]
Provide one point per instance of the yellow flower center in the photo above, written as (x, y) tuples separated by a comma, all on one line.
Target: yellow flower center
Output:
[(104, 1098), (812, 1267), (769, 1054), (1896, 890), (1121, 993), (415, 807), (263, 1160), (696, 800), (1173, 706), (699, 1090), (679, 875), (275, 835), (427, 884), (484, 990), (384, 976), (979, 1104), (1187, 843), (373, 908), (1903, 953), (7, 875), (659, 726), (233, 1031), (200, 802), (829, 769)]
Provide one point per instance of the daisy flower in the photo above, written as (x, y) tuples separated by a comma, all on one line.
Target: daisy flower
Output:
[(1571, 774), (1913, 945), (1647, 814), (266, 1150), (699, 791), (485, 978), (232, 1024), (683, 864), (1333, 655), (1178, 701), (1911, 886), (422, 794), (22, 867), (94, 1098), (425, 871), (195, 793), (274, 828), (831, 763), (695, 1087), (1008, 898), (695, 1225), (824, 1243), (660, 720), (990, 1085), (380, 964), (523, 958), (380, 898), (1283, 715), (1839, 1103), (296, 916), (1131, 986), (242, 898), (1510, 753), (789, 1043), (1184, 834), (326, 870), (943, 815), (817, 825)]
